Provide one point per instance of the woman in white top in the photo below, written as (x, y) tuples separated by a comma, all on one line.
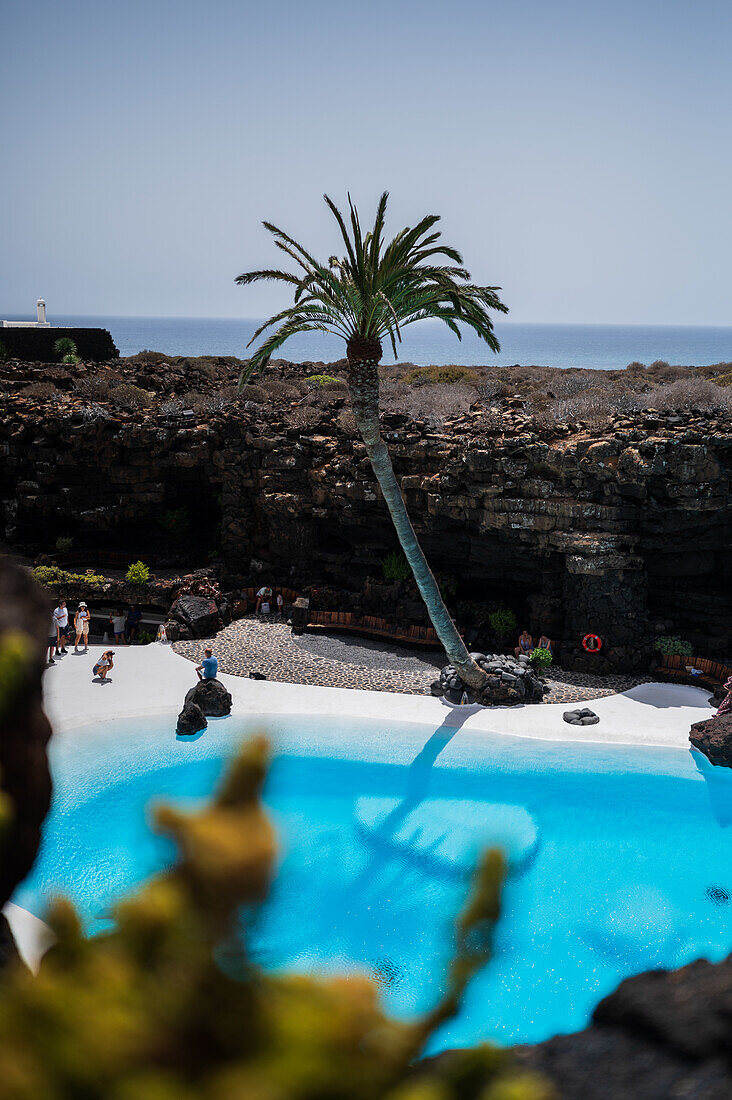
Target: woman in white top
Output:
[(104, 665), (81, 622)]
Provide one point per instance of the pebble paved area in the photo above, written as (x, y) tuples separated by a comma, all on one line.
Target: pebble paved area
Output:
[(344, 661)]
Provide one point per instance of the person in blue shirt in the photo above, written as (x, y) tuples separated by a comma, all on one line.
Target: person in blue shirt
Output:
[(208, 667)]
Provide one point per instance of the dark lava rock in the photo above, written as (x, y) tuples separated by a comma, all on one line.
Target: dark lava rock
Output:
[(199, 613), (713, 737), (582, 717), (212, 697), (510, 681), (190, 720), (661, 1034)]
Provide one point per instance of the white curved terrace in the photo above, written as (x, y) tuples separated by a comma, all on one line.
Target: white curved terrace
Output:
[(153, 680)]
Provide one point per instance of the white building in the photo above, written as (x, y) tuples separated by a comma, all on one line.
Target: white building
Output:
[(40, 323)]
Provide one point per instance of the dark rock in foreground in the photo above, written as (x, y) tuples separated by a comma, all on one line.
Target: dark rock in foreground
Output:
[(190, 720), (713, 737), (212, 697), (511, 681), (660, 1034)]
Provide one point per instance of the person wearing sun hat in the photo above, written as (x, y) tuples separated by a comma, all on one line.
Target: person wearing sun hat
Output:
[(81, 622)]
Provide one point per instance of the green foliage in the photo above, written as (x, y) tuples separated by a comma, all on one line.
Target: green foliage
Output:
[(541, 658), (671, 645), (138, 573), (52, 574), (431, 376), (319, 380), (169, 1005), (175, 521), (71, 360), (376, 289), (145, 637), (65, 346), (17, 652), (395, 567), (64, 543), (503, 622)]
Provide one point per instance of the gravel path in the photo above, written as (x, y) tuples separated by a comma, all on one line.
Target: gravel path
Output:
[(336, 660)]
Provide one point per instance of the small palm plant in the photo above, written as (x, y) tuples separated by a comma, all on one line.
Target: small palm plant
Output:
[(369, 295)]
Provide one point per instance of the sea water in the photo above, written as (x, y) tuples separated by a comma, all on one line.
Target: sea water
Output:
[(601, 347)]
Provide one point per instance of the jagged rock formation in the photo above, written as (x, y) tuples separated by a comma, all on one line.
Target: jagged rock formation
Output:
[(510, 681), (713, 737), (190, 720), (613, 530)]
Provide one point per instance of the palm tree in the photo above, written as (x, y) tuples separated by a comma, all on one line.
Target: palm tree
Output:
[(374, 292)]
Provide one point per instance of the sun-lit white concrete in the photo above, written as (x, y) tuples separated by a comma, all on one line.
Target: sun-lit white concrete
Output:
[(153, 679)]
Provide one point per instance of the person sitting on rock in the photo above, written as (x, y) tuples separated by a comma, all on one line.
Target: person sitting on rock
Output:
[(525, 644), (264, 601), (209, 666), (544, 643)]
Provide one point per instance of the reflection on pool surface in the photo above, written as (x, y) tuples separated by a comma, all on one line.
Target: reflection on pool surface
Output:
[(620, 856)]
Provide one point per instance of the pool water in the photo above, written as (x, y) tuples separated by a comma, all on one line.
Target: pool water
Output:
[(620, 857)]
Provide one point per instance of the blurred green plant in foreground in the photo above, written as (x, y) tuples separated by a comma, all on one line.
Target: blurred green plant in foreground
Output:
[(169, 1007)]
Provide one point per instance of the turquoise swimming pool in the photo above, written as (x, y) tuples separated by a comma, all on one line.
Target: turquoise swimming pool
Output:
[(619, 856)]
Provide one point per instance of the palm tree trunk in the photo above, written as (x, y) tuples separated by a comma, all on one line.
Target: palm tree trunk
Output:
[(364, 387)]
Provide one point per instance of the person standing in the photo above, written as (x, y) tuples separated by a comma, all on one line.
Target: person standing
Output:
[(81, 623), (61, 618), (264, 604), (52, 639), (117, 620), (725, 707), (209, 666), (134, 616)]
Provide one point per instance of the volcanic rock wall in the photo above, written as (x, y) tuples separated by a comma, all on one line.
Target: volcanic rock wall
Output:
[(617, 533)]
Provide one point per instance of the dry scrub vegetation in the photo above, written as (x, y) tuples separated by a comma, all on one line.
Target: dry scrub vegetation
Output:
[(208, 385)]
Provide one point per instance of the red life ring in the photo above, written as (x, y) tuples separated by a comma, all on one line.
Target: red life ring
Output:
[(592, 643)]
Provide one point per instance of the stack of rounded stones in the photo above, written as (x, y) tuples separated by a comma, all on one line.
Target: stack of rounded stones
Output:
[(511, 680)]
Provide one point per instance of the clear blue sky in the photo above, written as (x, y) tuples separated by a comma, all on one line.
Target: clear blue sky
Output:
[(579, 152)]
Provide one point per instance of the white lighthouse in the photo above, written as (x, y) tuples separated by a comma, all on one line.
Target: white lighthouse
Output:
[(41, 321)]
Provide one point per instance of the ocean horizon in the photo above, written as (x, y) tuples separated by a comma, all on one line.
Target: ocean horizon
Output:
[(596, 347)]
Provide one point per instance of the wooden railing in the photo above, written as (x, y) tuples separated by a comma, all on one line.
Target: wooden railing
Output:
[(372, 626), (674, 668)]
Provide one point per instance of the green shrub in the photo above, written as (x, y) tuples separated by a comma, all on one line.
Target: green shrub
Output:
[(673, 646), (71, 360), (64, 544), (138, 573), (175, 521), (52, 574), (65, 346), (127, 396), (319, 380), (145, 637), (395, 567), (541, 658), (431, 376), (503, 622)]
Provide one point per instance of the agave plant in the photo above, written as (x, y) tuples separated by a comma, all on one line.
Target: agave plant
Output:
[(367, 296)]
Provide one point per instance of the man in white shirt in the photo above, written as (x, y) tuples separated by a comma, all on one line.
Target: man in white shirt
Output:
[(264, 597), (61, 619)]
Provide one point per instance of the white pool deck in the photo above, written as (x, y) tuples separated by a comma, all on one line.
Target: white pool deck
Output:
[(148, 680), (152, 680)]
